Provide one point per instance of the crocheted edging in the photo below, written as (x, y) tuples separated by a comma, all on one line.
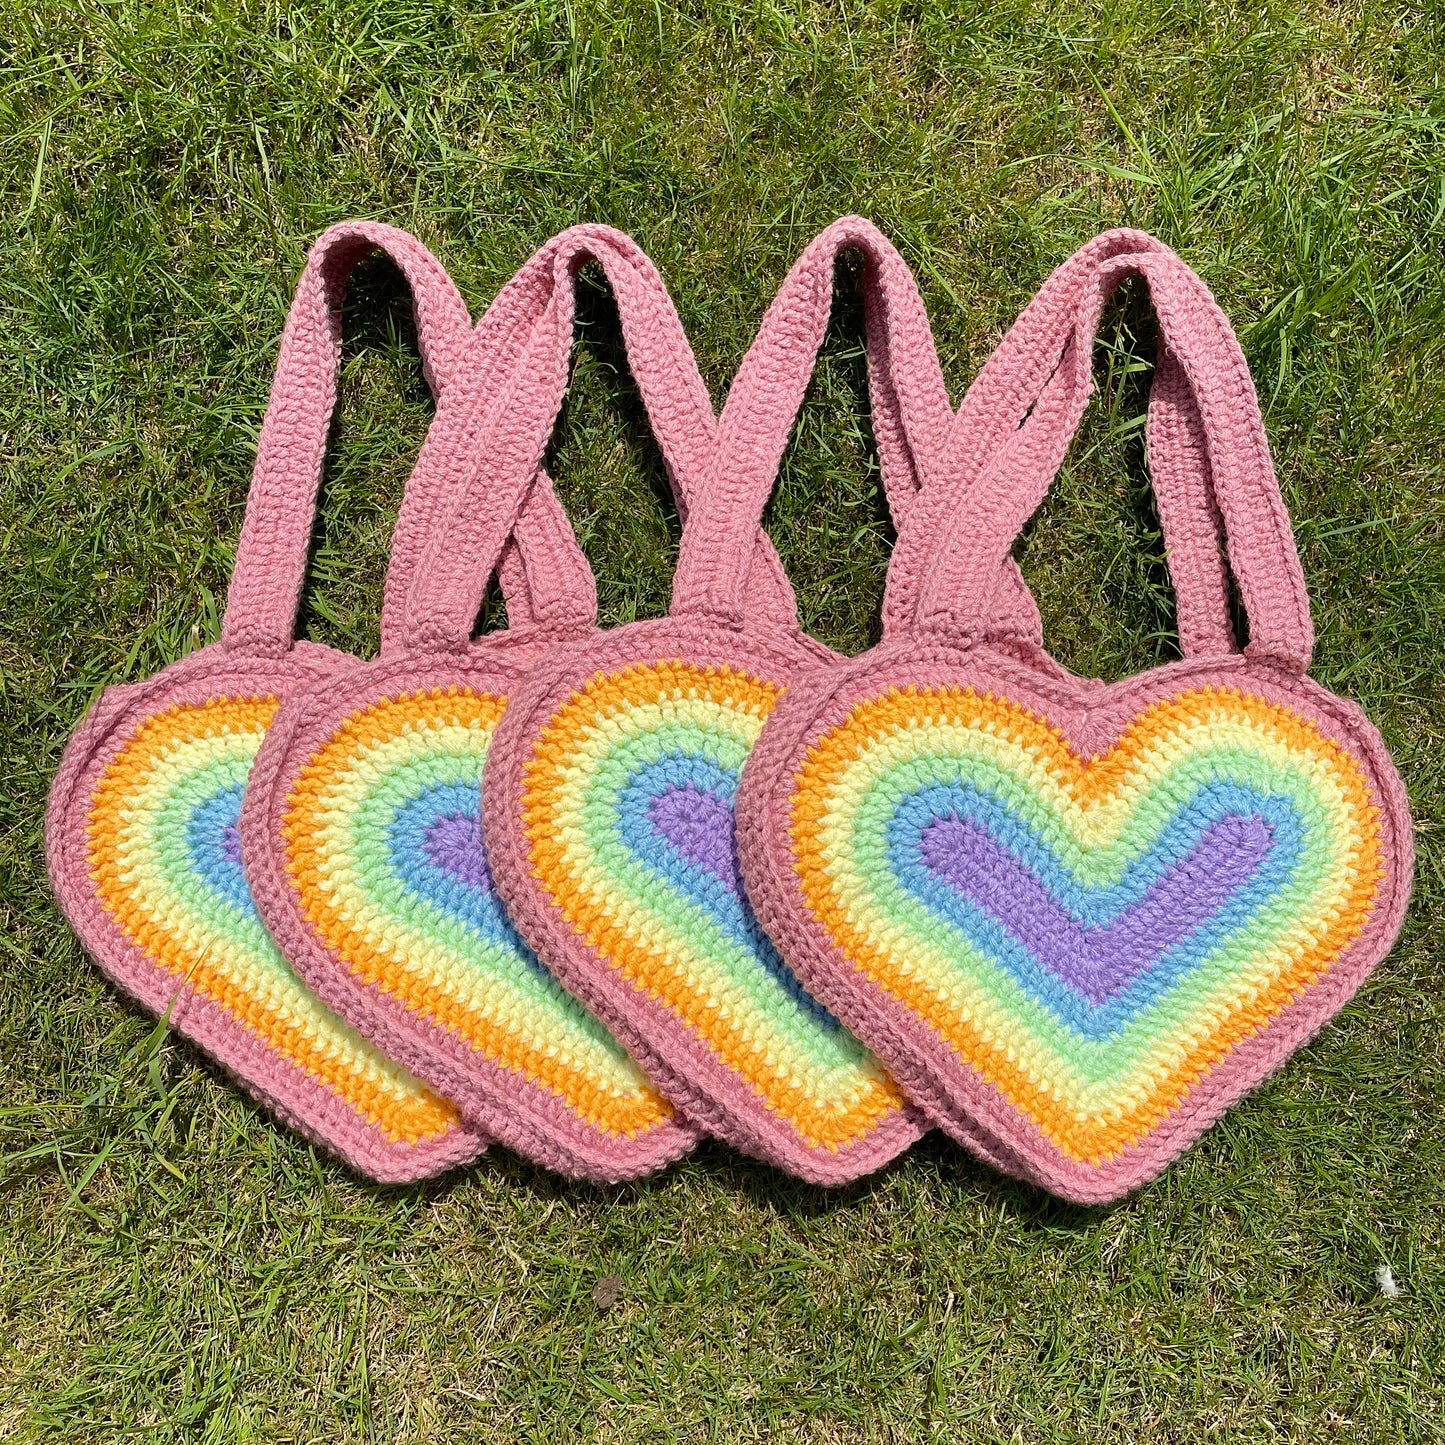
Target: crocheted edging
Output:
[(144, 859), (608, 798), (364, 836)]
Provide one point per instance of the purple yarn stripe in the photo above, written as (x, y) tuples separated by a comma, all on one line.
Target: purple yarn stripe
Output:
[(1100, 960), (699, 824), (454, 845)]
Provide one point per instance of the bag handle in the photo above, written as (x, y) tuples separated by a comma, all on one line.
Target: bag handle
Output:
[(998, 403), (952, 446), (966, 552), (543, 573), (265, 586), (912, 419), (677, 400), (509, 430)]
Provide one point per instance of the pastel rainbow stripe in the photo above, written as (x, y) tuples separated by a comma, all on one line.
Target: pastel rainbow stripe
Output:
[(164, 857), (1091, 937), (383, 847), (627, 808)]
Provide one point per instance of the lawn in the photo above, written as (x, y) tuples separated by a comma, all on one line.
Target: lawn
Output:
[(174, 1266)]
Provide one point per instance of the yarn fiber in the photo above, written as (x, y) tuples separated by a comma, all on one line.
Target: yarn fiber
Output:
[(628, 816), (610, 789), (383, 846), (365, 820), (590, 893), (142, 833), (165, 856)]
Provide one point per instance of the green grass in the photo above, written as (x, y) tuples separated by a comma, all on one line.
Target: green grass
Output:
[(173, 1266)]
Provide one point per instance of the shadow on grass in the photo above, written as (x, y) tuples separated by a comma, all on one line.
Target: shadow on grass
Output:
[(935, 1158)]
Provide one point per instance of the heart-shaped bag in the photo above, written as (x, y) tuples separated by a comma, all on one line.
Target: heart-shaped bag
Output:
[(362, 826), (1083, 918), (609, 785), (141, 827)]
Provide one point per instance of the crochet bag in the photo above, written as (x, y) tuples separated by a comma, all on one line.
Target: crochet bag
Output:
[(609, 785), (362, 826), (141, 827), (1083, 917)]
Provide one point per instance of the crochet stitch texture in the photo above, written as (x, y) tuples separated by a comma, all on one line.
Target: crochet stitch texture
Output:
[(164, 854), (384, 846), (494, 888), (364, 819), (628, 814), (1091, 934), (1083, 919)]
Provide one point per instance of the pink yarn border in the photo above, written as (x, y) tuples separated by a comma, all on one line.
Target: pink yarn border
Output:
[(510, 1108), (676, 1057), (1092, 715)]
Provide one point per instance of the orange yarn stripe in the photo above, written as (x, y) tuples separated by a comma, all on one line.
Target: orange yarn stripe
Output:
[(652, 971), (395, 974), (401, 1119)]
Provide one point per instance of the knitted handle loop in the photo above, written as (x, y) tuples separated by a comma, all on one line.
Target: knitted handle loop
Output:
[(769, 594), (913, 421), (271, 555), (509, 430), (265, 587), (966, 552)]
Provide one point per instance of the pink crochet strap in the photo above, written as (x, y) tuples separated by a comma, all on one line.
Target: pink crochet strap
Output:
[(271, 556), (510, 429), (965, 553), (688, 431), (673, 392), (912, 419), (999, 401), (544, 576), (1183, 486)]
